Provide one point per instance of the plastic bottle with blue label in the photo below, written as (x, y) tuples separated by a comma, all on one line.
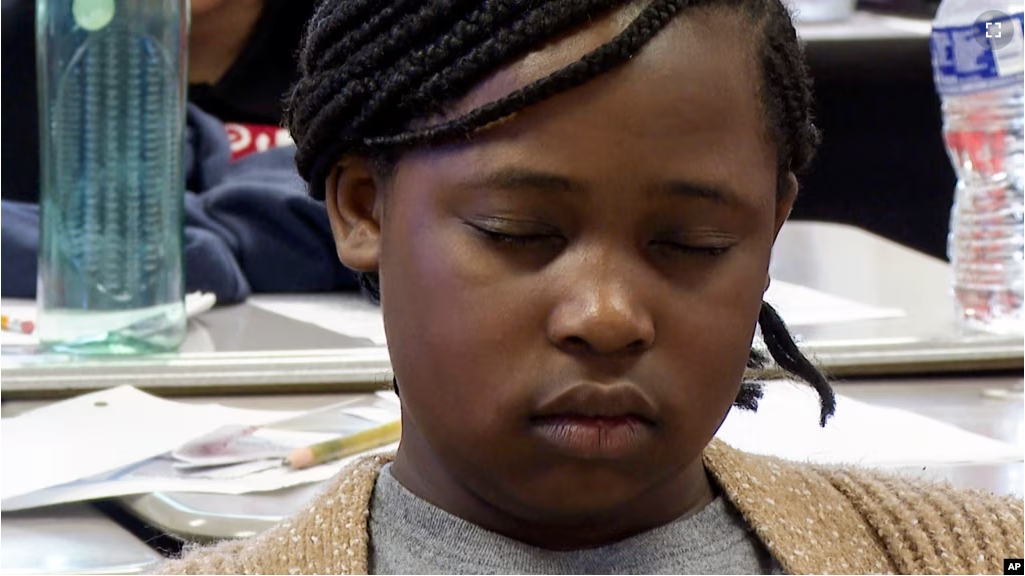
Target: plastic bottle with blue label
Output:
[(112, 104), (978, 65)]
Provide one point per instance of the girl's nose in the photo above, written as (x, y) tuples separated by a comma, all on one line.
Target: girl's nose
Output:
[(602, 312)]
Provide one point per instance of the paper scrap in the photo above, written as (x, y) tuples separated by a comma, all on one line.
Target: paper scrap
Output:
[(102, 431), (160, 471), (159, 475)]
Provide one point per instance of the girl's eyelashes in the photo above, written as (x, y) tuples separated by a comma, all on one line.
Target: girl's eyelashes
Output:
[(691, 249), (508, 232), (498, 233), (522, 239), (705, 242), (671, 249)]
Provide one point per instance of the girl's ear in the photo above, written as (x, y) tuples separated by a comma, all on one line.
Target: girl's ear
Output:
[(785, 201), (354, 198)]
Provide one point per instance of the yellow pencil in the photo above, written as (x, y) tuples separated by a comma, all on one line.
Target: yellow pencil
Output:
[(346, 446)]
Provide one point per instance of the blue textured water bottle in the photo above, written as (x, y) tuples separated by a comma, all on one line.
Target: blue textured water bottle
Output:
[(112, 86)]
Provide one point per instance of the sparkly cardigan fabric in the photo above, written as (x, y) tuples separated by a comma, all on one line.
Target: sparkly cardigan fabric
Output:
[(813, 519)]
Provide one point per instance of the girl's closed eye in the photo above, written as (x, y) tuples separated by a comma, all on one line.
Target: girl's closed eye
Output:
[(710, 245), (510, 232)]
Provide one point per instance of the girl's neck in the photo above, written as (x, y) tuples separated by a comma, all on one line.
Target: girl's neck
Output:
[(218, 36), (680, 496)]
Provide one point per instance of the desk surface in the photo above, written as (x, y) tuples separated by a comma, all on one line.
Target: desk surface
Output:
[(70, 539), (990, 406), (855, 264), (964, 402), (245, 349)]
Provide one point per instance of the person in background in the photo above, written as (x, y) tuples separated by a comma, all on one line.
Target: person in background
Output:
[(242, 63), (249, 223)]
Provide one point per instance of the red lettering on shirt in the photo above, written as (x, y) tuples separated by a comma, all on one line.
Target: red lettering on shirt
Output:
[(246, 139)]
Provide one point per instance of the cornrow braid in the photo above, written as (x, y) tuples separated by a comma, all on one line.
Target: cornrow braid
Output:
[(460, 77), (596, 62), (377, 78), (333, 23), (788, 356), (787, 93), (352, 82), (346, 31), (379, 41), (474, 64)]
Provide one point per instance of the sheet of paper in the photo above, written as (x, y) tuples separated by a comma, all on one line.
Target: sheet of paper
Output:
[(802, 306), (787, 425), (159, 473), (104, 431)]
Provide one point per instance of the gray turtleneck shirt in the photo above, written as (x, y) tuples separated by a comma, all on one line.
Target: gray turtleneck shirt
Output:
[(411, 536)]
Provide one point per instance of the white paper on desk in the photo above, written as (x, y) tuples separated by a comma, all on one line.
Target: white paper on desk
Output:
[(803, 306), (787, 425), (159, 474), (103, 431)]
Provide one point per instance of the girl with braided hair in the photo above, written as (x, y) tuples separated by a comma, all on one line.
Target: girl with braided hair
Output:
[(566, 209)]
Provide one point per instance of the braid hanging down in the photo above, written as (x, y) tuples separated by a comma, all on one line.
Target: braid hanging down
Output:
[(373, 73)]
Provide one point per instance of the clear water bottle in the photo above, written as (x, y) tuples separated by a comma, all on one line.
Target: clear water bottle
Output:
[(112, 103), (978, 67)]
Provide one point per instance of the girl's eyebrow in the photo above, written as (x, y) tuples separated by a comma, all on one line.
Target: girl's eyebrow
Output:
[(521, 179), (715, 194), (526, 179)]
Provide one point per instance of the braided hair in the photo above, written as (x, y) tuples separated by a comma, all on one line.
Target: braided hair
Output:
[(371, 73)]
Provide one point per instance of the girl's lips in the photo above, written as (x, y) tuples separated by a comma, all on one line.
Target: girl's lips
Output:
[(594, 437)]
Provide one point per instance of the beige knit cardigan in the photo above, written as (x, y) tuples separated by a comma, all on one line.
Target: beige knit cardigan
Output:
[(812, 519)]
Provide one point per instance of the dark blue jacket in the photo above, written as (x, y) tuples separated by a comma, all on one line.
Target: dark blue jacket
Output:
[(249, 225)]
